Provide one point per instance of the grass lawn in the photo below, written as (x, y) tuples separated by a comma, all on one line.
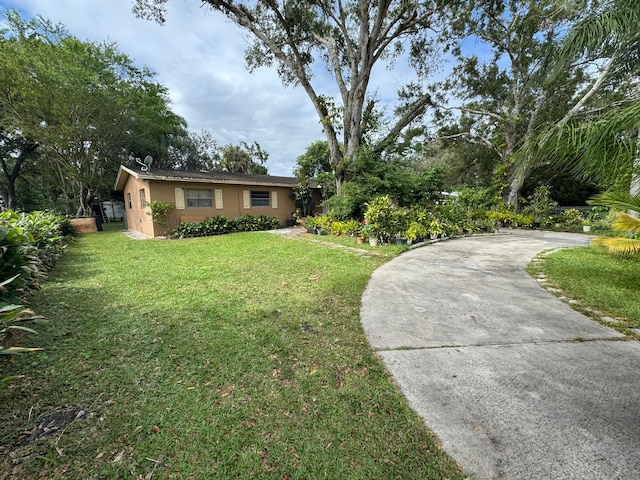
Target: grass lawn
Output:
[(602, 284), (235, 356)]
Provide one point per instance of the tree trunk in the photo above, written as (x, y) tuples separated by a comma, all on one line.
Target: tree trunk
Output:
[(11, 192), (513, 193), (12, 174)]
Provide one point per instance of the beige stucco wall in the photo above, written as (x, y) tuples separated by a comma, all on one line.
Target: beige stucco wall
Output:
[(137, 218), (232, 204)]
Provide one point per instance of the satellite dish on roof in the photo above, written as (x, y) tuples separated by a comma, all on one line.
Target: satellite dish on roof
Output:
[(146, 163)]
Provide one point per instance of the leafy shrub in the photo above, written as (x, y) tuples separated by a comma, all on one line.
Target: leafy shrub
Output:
[(509, 218), (30, 245), (310, 223), (540, 205), (385, 219), (476, 199), (324, 222), (571, 219), (416, 231), (13, 319), (159, 211), (601, 219), (350, 203), (220, 225), (266, 222), (346, 228)]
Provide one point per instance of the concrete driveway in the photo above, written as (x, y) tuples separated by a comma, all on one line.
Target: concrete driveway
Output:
[(515, 383)]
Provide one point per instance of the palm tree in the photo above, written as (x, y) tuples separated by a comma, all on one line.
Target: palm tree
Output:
[(598, 138), (624, 222)]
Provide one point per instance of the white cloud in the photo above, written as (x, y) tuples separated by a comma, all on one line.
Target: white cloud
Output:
[(199, 56)]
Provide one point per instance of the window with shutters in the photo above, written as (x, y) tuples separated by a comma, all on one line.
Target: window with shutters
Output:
[(259, 198), (198, 198)]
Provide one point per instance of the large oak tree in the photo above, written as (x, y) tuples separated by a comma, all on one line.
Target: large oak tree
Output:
[(75, 109), (350, 37), (503, 88)]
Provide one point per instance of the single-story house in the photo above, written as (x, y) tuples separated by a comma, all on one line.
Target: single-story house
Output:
[(200, 195)]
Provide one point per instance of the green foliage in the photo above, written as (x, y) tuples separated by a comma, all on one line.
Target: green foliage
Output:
[(30, 245), (507, 94), (220, 225), (159, 211), (350, 203), (314, 161), (79, 108), (345, 228), (243, 158), (540, 204), (624, 222), (473, 199), (416, 231), (302, 196), (405, 182), (252, 223), (509, 218), (601, 218), (12, 255), (572, 218), (12, 320), (384, 219), (430, 186), (602, 146)]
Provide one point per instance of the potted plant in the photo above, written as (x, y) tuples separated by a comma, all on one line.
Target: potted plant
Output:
[(415, 232), (541, 205), (436, 229), (310, 223), (367, 232), (382, 218), (586, 225), (323, 224)]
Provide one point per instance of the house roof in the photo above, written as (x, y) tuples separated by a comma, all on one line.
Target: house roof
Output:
[(215, 176)]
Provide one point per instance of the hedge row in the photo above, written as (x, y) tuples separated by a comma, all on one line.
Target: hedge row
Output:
[(219, 225), (30, 245)]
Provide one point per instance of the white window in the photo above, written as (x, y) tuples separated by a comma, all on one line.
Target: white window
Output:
[(259, 198), (198, 198), (143, 198)]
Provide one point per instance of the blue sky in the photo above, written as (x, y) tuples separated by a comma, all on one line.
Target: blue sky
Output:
[(199, 56)]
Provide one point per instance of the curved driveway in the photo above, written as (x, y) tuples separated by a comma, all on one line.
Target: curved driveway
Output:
[(515, 383)]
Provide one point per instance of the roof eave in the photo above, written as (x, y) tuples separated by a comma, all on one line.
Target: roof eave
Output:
[(121, 178), (213, 180)]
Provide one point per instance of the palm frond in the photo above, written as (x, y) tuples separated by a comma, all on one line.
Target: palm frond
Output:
[(617, 200), (604, 30), (621, 246), (626, 223)]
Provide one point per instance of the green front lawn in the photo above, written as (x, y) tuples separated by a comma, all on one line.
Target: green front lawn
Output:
[(602, 284), (234, 356)]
